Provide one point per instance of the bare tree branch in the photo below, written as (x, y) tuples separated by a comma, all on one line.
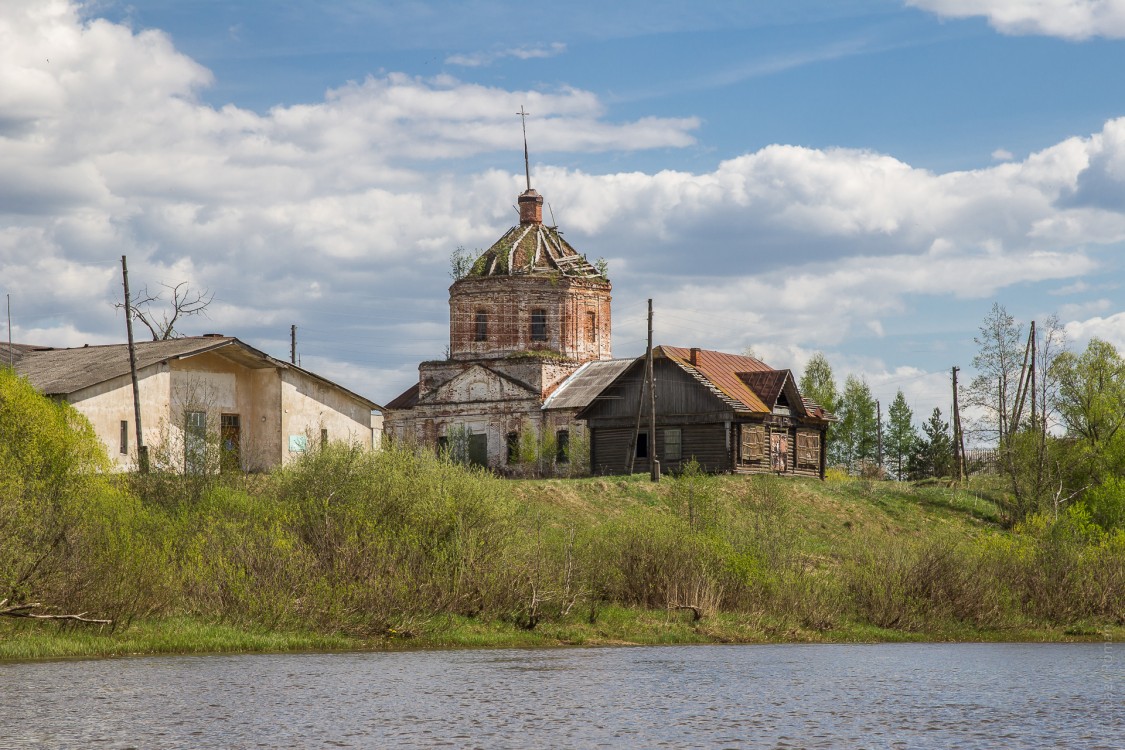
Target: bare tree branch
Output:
[(161, 323), (27, 610)]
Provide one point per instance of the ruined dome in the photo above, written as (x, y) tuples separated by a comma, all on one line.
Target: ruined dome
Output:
[(530, 248)]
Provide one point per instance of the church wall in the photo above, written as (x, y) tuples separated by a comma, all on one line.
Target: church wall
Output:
[(577, 317)]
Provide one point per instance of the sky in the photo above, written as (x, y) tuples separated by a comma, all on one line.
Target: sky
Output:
[(864, 178)]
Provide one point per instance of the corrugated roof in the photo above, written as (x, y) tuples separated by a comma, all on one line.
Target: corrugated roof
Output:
[(586, 384), (533, 249), (60, 372), (723, 371), (408, 399)]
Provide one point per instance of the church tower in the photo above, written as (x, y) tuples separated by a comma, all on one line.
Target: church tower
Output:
[(530, 295), (528, 314)]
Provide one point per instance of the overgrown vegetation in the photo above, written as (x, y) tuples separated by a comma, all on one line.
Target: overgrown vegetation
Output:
[(350, 547)]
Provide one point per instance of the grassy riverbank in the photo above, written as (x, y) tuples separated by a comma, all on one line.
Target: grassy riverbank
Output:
[(351, 551)]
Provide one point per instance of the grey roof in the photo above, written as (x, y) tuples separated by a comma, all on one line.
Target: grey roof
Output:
[(586, 384), (60, 372)]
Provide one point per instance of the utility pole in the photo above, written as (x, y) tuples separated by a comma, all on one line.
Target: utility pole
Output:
[(653, 461), (142, 449), (293, 344), (958, 436), (1034, 416), (879, 433), (11, 357)]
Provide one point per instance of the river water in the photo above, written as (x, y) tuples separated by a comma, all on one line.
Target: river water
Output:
[(773, 696)]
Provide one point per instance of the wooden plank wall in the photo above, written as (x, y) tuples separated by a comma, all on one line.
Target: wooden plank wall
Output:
[(706, 443)]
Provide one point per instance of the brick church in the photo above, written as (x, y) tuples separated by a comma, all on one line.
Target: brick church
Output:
[(529, 344)]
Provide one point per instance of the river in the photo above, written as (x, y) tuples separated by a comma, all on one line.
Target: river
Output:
[(771, 696)]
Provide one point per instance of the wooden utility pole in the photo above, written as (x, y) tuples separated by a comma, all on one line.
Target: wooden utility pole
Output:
[(1034, 413), (653, 461), (142, 449), (293, 344), (11, 357), (958, 436), (879, 433)]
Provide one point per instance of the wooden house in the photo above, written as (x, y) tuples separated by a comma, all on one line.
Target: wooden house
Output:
[(730, 413)]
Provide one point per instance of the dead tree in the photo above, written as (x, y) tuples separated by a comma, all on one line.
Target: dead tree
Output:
[(161, 320)]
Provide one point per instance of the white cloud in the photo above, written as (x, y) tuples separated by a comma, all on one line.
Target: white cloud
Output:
[(1110, 328), (1069, 19), (339, 215), (479, 59), (1002, 154)]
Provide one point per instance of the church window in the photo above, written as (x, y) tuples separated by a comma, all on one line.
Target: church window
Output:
[(513, 443), (591, 326), (481, 333), (562, 446), (539, 325)]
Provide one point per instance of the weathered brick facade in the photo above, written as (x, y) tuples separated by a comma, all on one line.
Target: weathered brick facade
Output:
[(529, 313)]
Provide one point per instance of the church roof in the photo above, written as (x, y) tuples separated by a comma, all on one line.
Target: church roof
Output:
[(532, 248)]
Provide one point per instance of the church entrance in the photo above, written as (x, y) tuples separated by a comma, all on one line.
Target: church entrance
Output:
[(478, 449)]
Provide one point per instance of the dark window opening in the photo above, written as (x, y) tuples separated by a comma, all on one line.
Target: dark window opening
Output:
[(562, 446), (442, 444), (481, 333), (673, 444), (124, 438), (230, 434), (323, 436), (642, 445), (513, 447), (195, 442), (538, 325)]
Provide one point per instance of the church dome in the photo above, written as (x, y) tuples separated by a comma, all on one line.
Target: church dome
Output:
[(530, 248)]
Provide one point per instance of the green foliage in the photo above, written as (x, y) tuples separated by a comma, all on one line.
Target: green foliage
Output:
[(855, 437), (901, 439), (818, 383), (460, 263), (1106, 503), (933, 456), (603, 268), (1091, 405), (68, 538)]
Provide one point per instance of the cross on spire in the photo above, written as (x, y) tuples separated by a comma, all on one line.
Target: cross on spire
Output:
[(526, 163)]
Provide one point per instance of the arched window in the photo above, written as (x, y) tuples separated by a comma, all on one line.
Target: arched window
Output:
[(481, 332), (539, 325)]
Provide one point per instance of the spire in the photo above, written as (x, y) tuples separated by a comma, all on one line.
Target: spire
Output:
[(530, 202), (526, 163)]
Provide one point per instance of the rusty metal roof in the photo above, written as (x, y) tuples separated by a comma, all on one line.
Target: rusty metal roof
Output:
[(533, 249), (408, 399), (722, 370)]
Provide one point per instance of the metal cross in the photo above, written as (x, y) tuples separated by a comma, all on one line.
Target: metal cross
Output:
[(526, 164)]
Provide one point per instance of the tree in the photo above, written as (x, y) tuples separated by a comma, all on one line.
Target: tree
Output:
[(818, 384), (1090, 400), (934, 454), (161, 323), (857, 440), (901, 438), (998, 362)]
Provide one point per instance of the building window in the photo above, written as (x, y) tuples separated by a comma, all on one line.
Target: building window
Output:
[(672, 443), (562, 446), (591, 327), (481, 333), (124, 438), (808, 449), (195, 442), (513, 441), (642, 445), (230, 434), (753, 442), (538, 325), (323, 436)]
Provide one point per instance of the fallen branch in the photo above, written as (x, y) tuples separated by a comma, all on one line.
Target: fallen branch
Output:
[(696, 612), (27, 610)]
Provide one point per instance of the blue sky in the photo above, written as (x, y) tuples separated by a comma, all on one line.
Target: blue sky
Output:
[(860, 178)]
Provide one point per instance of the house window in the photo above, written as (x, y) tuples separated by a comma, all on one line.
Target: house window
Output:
[(195, 442), (642, 445), (562, 446), (323, 436), (124, 438), (538, 325), (672, 444), (808, 449), (481, 333), (753, 442), (513, 442)]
